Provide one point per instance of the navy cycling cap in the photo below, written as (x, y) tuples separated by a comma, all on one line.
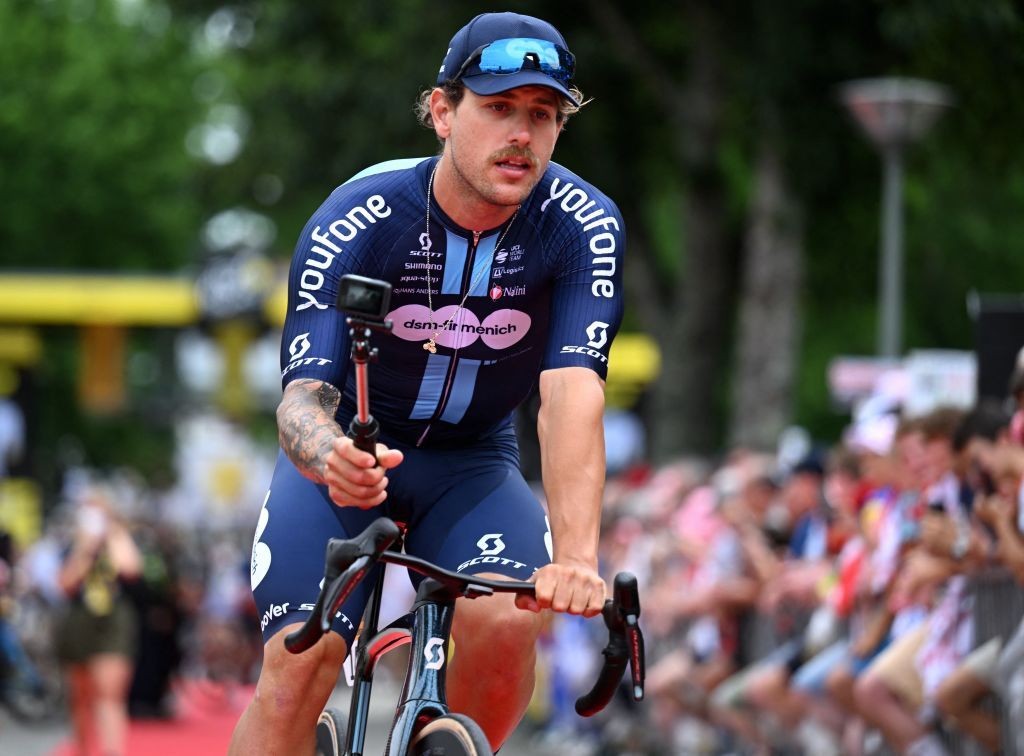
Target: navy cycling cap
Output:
[(496, 52)]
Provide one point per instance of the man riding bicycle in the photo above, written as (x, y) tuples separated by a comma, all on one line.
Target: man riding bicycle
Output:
[(506, 273)]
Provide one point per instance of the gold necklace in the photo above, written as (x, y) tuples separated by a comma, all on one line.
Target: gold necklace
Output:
[(431, 344)]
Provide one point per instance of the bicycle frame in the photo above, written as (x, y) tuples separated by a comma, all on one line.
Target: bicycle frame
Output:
[(428, 629)]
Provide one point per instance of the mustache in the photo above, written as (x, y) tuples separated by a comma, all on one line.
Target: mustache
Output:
[(523, 153)]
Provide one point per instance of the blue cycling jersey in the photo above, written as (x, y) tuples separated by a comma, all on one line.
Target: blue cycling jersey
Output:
[(549, 297)]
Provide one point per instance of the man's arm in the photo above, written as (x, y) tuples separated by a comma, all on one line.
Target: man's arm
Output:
[(320, 450), (573, 463), (306, 426)]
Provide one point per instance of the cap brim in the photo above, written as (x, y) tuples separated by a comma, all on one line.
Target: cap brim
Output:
[(489, 84)]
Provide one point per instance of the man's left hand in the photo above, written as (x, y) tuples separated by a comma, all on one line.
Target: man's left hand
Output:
[(575, 588)]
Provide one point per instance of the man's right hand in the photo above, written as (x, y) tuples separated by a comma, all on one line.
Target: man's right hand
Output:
[(354, 478)]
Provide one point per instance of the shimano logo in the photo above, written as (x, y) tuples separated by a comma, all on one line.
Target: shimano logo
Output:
[(602, 246), (325, 249)]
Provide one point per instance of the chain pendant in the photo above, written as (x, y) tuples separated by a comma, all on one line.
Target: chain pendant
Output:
[(431, 345)]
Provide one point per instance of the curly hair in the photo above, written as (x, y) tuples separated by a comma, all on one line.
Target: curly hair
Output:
[(454, 90)]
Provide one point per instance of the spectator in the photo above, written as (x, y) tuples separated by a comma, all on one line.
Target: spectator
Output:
[(998, 462), (97, 636), (895, 692)]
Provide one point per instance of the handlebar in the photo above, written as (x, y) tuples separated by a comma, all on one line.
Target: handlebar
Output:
[(345, 564), (625, 646), (348, 561)]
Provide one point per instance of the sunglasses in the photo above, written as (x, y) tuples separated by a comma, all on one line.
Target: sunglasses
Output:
[(510, 56)]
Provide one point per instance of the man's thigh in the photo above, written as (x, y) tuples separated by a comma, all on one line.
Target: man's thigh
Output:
[(484, 519), (896, 666), (287, 566)]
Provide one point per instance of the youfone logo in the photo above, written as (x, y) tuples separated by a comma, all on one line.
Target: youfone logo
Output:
[(491, 544), (597, 332), (591, 216), (326, 248), (299, 346), (433, 652)]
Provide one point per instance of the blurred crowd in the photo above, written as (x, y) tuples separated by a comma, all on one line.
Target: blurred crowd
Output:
[(860, 598), (116, 608)]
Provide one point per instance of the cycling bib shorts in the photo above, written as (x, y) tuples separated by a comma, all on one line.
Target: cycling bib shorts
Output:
[(468, 510)]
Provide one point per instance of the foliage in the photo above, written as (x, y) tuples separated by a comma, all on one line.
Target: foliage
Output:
[(100, 97), (97, 102)]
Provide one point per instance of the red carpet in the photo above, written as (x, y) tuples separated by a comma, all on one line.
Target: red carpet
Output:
[(205, 717)]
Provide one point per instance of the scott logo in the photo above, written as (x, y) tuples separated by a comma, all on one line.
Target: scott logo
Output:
[(597, 332), (299, 346), (491, 544), (433, 652)]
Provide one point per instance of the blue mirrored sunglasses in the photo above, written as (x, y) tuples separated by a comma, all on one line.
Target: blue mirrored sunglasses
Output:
[(510, 56)]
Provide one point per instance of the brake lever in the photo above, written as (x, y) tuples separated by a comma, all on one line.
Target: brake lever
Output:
[(626, 598), (635, 641), (358, 554), (339, 589)]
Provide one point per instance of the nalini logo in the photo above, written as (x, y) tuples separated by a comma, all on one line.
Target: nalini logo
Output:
[(491, 544), (433, 652), (495, 292), (299, 346), (598, 334)]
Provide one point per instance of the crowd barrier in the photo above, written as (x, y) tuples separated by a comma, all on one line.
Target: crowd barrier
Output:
[(998, 610)]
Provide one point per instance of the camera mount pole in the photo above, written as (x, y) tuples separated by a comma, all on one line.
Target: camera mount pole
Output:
[(364, 428)]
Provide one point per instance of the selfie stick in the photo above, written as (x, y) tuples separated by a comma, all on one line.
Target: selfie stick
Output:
[(364, 428)]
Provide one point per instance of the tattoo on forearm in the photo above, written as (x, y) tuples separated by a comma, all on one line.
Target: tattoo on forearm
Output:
[(306, 425)]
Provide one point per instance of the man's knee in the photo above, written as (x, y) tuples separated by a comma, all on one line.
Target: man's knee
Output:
[(497, 625), (297, 680), (869, 689), (839, 683)]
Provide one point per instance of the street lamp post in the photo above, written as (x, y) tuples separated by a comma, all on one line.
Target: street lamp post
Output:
[(894, 113)]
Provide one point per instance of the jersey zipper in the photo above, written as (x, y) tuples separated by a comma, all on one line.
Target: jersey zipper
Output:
[(467, 277)]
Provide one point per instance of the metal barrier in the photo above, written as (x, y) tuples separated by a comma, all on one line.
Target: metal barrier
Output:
[(998, 609)]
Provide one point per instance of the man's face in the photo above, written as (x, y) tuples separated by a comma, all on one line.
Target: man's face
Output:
[(801, 493), (913, 462), (500, 145), (939, 458)]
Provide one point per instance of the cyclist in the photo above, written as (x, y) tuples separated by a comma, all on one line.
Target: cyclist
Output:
[(506, 273)]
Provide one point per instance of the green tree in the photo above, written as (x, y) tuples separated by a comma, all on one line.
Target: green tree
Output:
[(97, 102)]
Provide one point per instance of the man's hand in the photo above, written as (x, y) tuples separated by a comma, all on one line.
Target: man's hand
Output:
[(575, 588), (354, 478), (995, 511), (938, 533)]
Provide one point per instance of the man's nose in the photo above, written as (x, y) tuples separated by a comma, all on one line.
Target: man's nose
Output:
[(519, 133)]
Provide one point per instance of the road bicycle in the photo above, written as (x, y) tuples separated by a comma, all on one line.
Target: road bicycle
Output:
[(423, 724)]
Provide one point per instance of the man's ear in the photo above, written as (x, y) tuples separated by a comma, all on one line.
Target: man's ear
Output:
[(441, 111)]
